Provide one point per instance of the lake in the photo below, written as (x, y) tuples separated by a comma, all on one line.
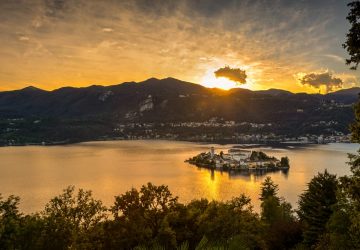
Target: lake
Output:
[(38, 173)]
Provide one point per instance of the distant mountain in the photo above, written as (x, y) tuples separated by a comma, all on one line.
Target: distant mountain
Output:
[(96, 109), (93, 100), (171, 99), (350, 91), (347, 96), (275, 92)]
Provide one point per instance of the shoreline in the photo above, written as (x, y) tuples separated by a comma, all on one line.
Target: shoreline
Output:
[(238, 144)]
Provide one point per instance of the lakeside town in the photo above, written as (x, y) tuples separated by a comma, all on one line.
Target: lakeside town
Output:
[(231, 131), (21, 131), (154, 131), (239, 159)]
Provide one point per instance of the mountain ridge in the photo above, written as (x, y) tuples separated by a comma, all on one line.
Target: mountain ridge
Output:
[(165, 107), (273, 91), (167, 96)]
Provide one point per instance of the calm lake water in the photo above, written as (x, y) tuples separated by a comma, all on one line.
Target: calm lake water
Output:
[(37, 173)]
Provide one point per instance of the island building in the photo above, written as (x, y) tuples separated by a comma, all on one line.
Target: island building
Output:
[(212, 152), (236, 158)]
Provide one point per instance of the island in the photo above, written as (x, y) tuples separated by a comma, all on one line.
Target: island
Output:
[(239, 159)]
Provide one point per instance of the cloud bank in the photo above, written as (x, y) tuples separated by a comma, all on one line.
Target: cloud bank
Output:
[(64, 42), (234, 74), (321, 81)]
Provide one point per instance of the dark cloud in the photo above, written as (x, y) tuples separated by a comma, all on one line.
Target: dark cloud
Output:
[(66, 37), (234, 74), (321, 80), (161, 7), (55, 8)]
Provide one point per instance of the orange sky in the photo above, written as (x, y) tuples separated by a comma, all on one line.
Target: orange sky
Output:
[(55, 43)]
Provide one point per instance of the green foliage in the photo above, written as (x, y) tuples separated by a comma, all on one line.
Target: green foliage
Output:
[(284, 162), (149, 218), (270, 209), (152, 218), (70, 218), (282, 229), (259, 156), (343, 227), (68, 221), (349, 191), (203, 159), (221, 154), (336, 235), (355, 126), (352, 43), (268, 189), (315, 206), (220, 222), (9, 222), (141, 216)]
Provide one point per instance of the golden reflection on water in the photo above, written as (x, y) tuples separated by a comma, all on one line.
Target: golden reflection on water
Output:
[(38, 173)]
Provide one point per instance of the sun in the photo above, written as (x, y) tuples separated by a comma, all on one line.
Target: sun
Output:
[(209, 80)]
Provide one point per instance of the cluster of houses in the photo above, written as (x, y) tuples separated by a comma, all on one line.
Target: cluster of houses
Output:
[(238, 159)]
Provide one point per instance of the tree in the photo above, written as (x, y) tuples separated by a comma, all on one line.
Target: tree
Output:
[(10, 218), (69, 219), (350, 198), (268, 189), (140, 215), (352, 43), (284, 162), (221, 154), (315, 206), (221, 223), (343, 229), (355, 126), (31, 232), (283, 230), (270, 204), (337, 235)]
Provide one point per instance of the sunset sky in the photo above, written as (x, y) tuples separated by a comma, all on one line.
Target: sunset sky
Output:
[(287, 44)]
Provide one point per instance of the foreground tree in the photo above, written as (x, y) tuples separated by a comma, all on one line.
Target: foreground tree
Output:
[(270, 205), (352, 43), (273, 208), (283, 231), (70, 219), (343, 229), (231, 224), (316, 206), (10, 222), (139, 216)]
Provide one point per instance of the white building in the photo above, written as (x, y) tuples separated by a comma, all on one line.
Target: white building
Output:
[(239, 155), (212, 152)]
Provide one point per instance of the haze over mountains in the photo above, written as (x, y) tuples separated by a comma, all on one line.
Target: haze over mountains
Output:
[(99, 110)]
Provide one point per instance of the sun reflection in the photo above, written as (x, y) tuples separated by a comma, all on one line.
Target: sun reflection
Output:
[(252, 178), (212, 185)]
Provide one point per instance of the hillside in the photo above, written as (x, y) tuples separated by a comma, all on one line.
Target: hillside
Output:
[(98, 111)]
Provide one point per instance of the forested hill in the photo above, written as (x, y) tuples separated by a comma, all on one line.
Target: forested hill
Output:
[(174, 100), (97, 111)]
